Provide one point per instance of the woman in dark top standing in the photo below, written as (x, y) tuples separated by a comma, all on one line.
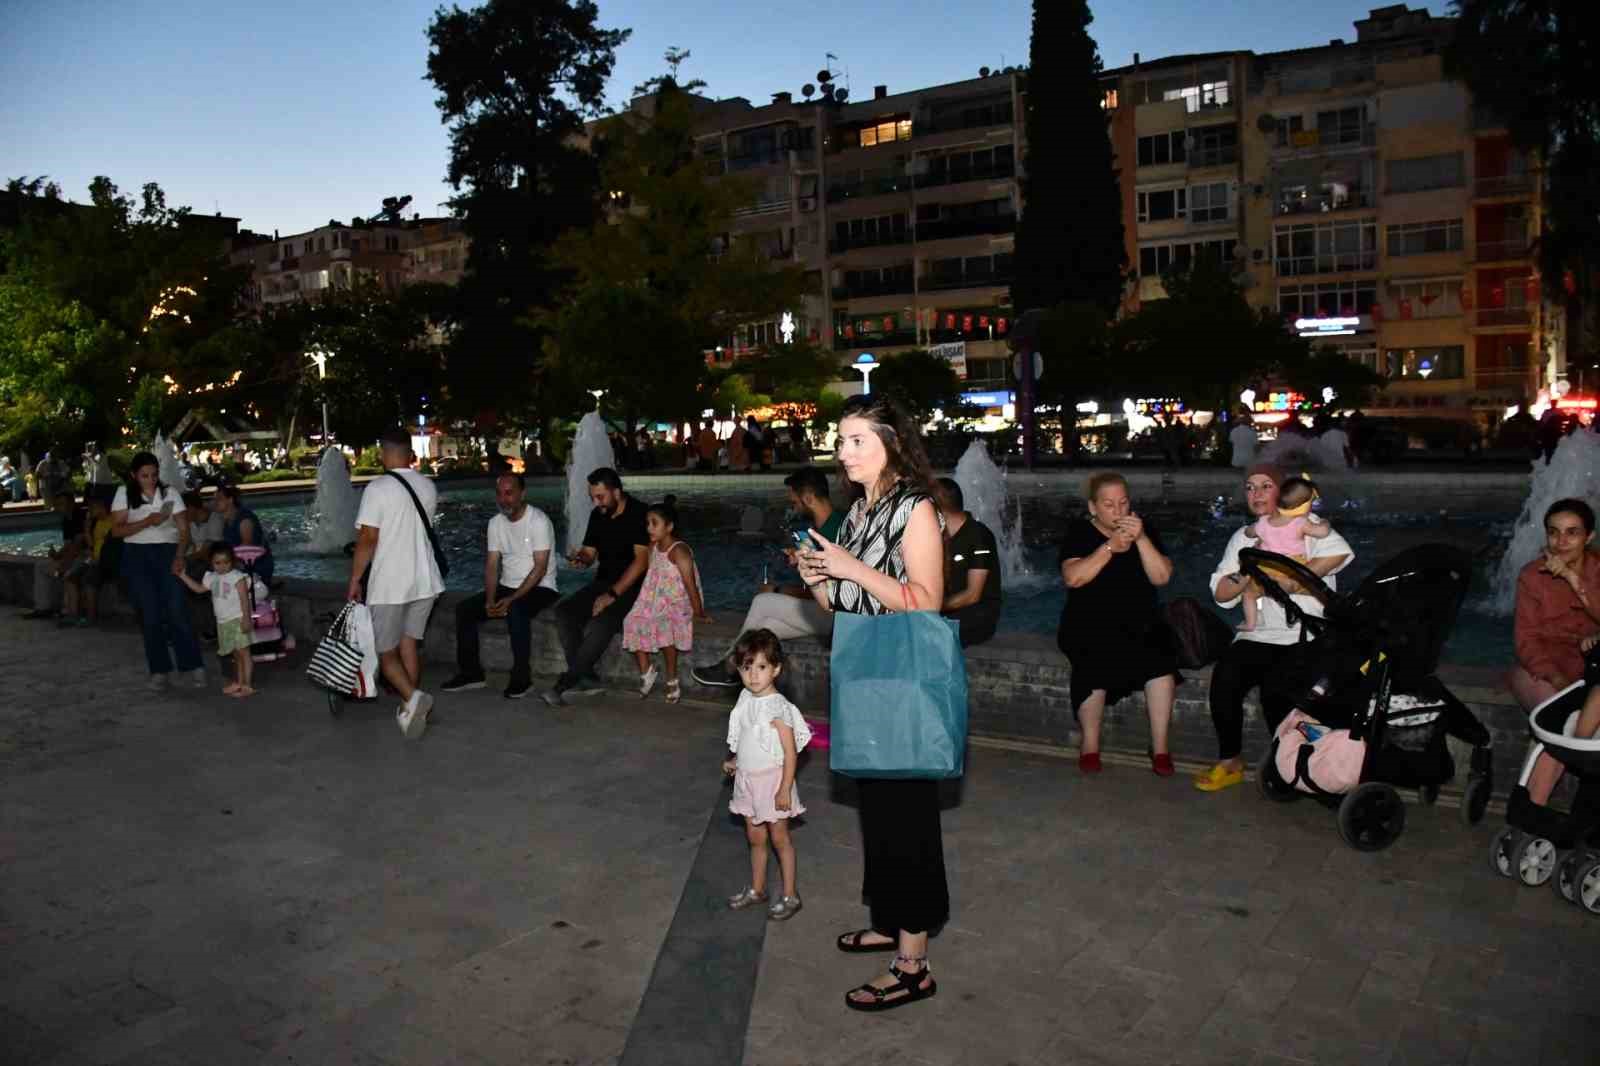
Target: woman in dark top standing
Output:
[(1111, 628), (890, 557)]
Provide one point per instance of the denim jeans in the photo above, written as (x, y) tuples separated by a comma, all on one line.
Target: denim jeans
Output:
[(163, 612), (584, 637), (471, 613)]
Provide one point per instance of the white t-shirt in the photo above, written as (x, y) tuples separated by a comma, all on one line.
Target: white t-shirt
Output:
[(517, 541), (1244, 440), (160, 533), (224, 589), (403, 569), (1332, 443), (1272, 627), (751, 735)]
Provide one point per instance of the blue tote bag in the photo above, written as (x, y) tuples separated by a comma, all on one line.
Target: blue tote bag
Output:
[(899, 696)]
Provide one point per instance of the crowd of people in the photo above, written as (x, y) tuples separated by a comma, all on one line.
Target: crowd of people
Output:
[(905, 543)]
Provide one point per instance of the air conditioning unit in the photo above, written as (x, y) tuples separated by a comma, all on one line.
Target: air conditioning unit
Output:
[(808, 203)]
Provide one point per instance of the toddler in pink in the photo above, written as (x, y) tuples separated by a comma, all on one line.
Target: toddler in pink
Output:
[(1284, 533), (766, 734)]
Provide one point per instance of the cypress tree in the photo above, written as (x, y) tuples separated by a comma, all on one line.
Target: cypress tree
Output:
[(1069, 240)]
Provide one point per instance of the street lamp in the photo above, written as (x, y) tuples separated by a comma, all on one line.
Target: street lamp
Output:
[(865, 364), (321, 357)]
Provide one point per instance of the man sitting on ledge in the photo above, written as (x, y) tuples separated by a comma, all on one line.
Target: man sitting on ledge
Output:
[(616, 543), (788, 610), (518, 583), (972, 568)]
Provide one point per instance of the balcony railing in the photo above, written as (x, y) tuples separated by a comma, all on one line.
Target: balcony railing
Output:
[(766, 207), (875, 340), (869, 187), (869, 240), (1213, 157), (1490, 251), (1315, 142), (863, 289), (1503, 316), (965, 227), (1337, 263), (965, 281), (1354, 198), (984, 118), (1503, 185), (955, 177)]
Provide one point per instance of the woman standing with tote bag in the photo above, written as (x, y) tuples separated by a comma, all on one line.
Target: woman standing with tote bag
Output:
[(890, 557)]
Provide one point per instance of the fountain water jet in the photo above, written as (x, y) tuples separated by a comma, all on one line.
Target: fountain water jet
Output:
[(983, 486), (171, 473), (334, 506), (1573, 471), (591, 449)]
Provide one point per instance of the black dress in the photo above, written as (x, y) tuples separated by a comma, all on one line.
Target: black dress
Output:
[(902, 841), (1112, 630)]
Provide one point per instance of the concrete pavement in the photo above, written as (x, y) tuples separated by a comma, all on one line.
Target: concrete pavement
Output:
[(190, 879)]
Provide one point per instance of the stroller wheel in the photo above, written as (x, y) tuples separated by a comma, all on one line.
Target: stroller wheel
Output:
[(1587, 885), (1533, 860), (1475, 800), (1372, 817), (1565, 881), (1500, 850), (1428, 795)]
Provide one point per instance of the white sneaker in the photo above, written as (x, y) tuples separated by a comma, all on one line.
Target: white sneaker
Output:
[(413, 715), (197, 678), (157, 683), (647, 681)]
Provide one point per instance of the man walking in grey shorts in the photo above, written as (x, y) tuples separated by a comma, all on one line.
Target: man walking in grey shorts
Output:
[(392, 538)]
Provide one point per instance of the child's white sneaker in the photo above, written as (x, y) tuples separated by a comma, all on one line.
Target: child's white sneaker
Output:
[(647, 681)]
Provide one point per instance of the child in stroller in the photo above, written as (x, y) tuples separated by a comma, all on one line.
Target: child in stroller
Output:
[(1373, 713), (1543, 842), (268, 641)]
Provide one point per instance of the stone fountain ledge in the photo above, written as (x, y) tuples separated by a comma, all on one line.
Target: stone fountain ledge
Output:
[(1019, 682)]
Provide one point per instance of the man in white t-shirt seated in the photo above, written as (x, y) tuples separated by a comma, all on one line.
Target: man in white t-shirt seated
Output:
[(519, 581), (393, 539)]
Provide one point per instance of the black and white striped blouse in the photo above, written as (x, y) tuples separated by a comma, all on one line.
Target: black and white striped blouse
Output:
[(873, 535)]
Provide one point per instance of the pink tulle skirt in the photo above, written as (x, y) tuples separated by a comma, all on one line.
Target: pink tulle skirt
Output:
[(754, 793)]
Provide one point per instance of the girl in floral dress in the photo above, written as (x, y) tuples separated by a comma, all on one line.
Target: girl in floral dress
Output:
[(669, 603)]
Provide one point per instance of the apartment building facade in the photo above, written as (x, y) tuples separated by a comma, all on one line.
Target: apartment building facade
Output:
[(1358, 192), (335, 256), (903, 208)]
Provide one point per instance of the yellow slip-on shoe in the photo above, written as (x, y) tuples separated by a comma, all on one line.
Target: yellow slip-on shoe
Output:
[(1217, 778)]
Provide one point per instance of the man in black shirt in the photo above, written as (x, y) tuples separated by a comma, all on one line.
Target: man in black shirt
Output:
[(972, 568), (617, 545)]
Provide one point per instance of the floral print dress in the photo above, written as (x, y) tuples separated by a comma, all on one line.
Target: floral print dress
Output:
[(662, 616)]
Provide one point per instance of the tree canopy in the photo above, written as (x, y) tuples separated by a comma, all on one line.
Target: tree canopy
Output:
[(516, 80), (1069, 239)]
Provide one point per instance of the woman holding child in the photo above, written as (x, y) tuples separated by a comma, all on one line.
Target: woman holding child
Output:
[(889, 557)]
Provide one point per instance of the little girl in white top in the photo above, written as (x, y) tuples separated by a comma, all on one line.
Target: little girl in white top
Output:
[(766, 734)]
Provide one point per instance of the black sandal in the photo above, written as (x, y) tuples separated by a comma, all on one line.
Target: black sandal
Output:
[(850, 943), (908, 983)]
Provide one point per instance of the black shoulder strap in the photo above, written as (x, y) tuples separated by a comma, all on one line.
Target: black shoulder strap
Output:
[(422, 514)]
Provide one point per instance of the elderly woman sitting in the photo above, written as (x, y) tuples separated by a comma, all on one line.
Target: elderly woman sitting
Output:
[(1111, 628), (1558, 617)]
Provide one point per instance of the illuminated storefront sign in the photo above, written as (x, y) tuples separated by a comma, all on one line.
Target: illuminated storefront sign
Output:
[(1328, 327), (1280, 401)]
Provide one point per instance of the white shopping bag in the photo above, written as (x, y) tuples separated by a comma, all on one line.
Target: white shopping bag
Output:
[(362, 637)]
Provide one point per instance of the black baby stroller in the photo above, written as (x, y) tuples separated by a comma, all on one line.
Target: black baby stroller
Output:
[(1372, 670), (1542, 844)]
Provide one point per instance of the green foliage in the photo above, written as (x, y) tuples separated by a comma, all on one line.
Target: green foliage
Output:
[(95, 297), (516, 80), (920, 382), (147, 410), (1530, 64), (1069, 244), (262, 477), (647, 286), (1353, 383)]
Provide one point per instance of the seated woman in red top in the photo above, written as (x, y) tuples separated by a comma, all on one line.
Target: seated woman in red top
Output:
[(1558, 610)]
